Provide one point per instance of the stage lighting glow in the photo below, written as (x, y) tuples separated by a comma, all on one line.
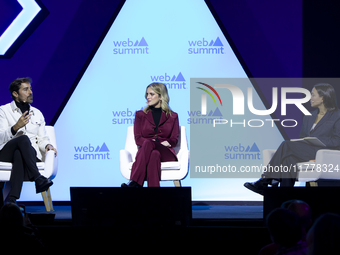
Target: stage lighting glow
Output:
[(169, 41), (30, 9)]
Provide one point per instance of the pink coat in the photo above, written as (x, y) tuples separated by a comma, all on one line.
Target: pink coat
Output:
[(168, 128)]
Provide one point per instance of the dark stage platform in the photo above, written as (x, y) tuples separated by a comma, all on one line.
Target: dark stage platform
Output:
[(228, 226), (215, 226)]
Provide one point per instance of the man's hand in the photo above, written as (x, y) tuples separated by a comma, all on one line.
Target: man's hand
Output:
[(23, 120), (50, 147)]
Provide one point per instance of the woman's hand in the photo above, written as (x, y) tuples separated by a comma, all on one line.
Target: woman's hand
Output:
[(166, 144)]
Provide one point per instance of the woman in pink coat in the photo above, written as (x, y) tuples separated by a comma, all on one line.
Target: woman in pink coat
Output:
[(156, 132)]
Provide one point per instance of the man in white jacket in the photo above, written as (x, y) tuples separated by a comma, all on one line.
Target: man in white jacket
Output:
[(23, 138)]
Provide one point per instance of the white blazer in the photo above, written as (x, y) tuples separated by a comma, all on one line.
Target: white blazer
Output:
[(35, 129)]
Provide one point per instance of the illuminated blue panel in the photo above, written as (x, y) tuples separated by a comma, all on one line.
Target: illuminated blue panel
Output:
[(19, 24), (166, 41)]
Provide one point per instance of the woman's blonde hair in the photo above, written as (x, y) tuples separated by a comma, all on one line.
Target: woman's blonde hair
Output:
[(162, 91)]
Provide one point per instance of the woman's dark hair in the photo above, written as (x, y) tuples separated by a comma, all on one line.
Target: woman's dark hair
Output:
[(327, 91), (15, 85)]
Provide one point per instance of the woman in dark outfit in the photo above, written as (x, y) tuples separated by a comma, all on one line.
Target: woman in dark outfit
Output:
[(324, 123), (156, 131)]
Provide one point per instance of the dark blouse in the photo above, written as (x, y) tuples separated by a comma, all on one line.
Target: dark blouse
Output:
[(156, 114)]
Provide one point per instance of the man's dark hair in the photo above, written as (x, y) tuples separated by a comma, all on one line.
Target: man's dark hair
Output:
[(15, 85)]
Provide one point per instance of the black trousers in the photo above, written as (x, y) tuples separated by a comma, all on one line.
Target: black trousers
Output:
[(282, 166), (23, 156)]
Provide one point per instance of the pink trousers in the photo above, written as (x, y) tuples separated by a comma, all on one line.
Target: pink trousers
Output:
[(147, 165)]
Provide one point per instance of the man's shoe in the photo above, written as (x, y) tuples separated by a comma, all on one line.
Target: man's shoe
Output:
[(259, 185), (42, 184), (131, 184)]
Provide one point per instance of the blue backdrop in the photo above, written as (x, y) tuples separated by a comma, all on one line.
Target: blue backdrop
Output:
[(90, 62)]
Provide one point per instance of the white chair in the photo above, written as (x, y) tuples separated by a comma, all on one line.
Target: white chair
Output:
[(326, 166), (47, 168), (170, 171)]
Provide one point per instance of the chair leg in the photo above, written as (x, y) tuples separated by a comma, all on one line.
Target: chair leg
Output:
[(313, 184), (47, 200), (44, 195), (177, 183)]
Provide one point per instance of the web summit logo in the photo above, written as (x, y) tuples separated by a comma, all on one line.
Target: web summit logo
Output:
[(206, 47), (199, 117), (124, 116), (131, 47), (91, 153), (171, 81), (241, 152)]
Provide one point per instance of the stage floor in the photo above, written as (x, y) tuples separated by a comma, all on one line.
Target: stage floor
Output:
[(251, 212)]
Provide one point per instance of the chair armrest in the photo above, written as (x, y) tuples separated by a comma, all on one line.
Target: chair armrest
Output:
[(183, 158), (328, 163), (51, 165), (306, 172), (267, 156), (324, 156), (183, 154), (326, 166), (125, 158)]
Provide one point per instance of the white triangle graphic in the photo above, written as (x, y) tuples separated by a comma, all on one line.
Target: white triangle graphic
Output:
[(113, 88)]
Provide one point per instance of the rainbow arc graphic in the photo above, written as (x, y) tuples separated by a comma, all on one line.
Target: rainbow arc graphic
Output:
[(204, 97)]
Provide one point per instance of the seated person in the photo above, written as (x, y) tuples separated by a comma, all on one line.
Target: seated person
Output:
[(156, 131), (324, 124), (23, 138)]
